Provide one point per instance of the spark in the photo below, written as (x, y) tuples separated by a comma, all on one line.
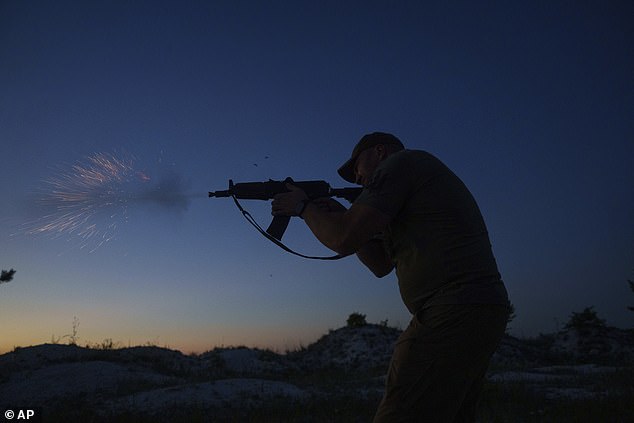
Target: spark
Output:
[(77, 201), (91, 199)]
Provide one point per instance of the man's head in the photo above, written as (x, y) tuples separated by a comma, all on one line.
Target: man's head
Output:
[(366, 156)]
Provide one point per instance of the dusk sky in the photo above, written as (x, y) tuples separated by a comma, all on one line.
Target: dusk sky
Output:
[(531, 104)]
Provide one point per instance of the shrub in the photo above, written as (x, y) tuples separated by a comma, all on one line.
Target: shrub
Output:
[(632, 288), (356, 320), (584, 320), (7, 275), (510, 317)]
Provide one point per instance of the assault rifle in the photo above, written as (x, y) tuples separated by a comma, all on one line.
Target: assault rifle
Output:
[(269, 189)]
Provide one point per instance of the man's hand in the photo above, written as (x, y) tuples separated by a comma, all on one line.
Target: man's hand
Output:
[(287, 203), (342, 230)]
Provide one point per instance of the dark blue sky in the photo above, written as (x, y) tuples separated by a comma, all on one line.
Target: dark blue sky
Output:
[(530, 103)]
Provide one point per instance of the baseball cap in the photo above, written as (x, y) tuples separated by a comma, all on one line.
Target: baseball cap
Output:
[(346, 171)]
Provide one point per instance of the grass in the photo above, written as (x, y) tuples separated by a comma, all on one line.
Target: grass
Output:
[(513, 402), (518, 403), (353, 396), (611, 398), (342, 409)]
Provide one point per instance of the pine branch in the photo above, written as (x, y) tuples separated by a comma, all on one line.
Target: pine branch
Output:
[(7, 276)]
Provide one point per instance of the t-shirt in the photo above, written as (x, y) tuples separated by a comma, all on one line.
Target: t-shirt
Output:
[(437, 238)]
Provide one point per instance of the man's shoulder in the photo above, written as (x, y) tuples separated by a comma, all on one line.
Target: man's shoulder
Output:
[(410, 158), (408, 154)]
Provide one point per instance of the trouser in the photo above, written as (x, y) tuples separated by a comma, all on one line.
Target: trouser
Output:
[(439, 363)]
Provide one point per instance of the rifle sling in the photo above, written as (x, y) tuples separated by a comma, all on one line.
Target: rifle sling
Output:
[(275, 241)]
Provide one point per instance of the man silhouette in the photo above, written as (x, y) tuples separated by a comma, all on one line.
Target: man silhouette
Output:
[(416, 216)]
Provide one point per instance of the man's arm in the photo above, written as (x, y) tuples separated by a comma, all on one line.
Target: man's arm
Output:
[(375, 258), (346, 232)]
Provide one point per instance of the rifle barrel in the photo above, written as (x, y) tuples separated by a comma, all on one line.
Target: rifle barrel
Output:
[(224, 193)]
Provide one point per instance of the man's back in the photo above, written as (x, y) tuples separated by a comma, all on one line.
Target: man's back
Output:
[(437, 238)]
